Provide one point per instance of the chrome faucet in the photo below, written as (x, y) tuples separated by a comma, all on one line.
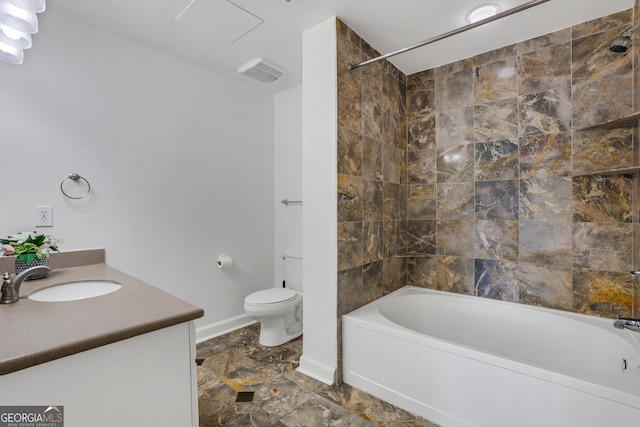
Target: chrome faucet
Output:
[(10, 291), (626, 323)]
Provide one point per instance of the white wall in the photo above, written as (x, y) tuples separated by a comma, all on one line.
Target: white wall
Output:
[(319, 160), (288, 176), (181, 163)]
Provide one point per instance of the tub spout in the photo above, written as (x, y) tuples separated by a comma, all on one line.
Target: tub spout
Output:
[(626, 323)]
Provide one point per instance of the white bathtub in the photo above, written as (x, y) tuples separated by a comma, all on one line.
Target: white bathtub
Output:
[(466, 361)]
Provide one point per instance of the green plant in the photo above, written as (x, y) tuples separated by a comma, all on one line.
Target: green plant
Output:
[(29, 246)]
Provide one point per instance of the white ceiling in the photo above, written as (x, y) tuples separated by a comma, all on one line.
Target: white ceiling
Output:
[(221, 35)]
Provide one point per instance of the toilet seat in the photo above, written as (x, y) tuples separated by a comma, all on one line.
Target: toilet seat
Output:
[(274, 296)]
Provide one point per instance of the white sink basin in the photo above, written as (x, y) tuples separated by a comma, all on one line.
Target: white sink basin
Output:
[(75, 291)]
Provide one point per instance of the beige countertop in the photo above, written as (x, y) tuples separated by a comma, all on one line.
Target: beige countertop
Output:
[(33, 332)]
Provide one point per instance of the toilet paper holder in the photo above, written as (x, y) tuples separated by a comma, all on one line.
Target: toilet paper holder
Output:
[(224, 261)]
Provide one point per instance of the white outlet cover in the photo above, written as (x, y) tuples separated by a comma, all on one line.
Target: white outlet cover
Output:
[(44, 216)]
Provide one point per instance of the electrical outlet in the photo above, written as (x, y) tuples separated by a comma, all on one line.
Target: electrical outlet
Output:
[(44, 216)]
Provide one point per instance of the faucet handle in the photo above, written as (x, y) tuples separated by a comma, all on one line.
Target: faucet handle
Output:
[(7, 295)]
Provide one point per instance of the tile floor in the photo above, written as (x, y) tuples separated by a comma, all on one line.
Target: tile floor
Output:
[(236, 362)]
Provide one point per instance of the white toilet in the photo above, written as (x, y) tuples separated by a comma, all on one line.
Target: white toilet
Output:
[(279, 310)]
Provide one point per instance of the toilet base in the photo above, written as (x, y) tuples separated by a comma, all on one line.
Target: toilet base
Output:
[(277, 331)]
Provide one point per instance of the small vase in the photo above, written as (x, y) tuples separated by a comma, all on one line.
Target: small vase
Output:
[(22, 266)]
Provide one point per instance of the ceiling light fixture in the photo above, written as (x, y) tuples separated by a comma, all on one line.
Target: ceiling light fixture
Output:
[(14, 38), (18, 20), (10, 54), (36, 6), (481, 12)]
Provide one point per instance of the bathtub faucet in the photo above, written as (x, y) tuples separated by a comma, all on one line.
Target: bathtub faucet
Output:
[(626, 323)]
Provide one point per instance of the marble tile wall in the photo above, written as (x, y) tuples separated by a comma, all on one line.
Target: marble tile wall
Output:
[(636, 55), (516, 218), (372, 175), (636, 158), (495, 197)]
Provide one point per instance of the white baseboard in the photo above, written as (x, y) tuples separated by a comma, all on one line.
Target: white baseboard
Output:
[(317, 370), (213, 330)]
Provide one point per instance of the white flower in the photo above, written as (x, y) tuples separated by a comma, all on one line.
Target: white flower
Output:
[(20, 237)]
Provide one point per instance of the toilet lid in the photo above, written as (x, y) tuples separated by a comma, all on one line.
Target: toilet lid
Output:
[(271, 296)]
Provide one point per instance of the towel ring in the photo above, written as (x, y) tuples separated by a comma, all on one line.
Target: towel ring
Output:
[(75, 177)]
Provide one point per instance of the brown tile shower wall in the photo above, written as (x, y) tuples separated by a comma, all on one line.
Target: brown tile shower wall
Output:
[(372, 174), (636, 159), (497, 197), (514, 218)]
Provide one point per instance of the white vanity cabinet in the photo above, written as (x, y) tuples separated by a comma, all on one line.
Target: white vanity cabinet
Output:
[(148, 380)]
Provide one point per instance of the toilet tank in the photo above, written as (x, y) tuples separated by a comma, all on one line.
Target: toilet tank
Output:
[(293, 270)]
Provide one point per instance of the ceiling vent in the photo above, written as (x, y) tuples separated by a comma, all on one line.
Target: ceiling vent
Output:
[(261, 70)]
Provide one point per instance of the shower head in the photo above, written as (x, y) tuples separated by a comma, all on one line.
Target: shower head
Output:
[(622, 43)]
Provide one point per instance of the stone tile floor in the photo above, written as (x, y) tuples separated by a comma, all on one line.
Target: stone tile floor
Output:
[(236, 362)]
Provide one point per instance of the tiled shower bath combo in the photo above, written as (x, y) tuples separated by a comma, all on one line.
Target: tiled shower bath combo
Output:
[(481, 176), (507, 176)]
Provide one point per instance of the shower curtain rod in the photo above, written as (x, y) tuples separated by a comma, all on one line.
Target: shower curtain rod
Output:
[(451, 33)]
